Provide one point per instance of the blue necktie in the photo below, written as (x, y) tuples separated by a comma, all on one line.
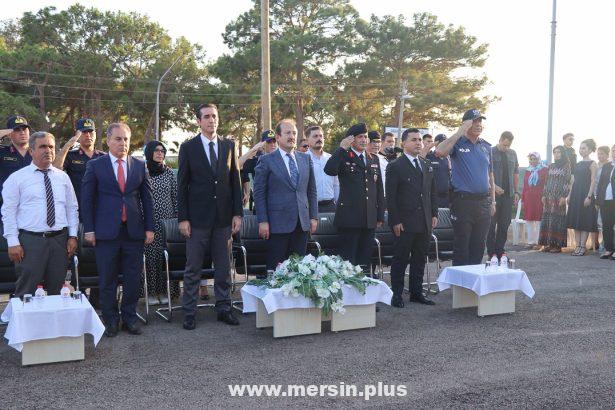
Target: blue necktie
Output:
[(294, 173)]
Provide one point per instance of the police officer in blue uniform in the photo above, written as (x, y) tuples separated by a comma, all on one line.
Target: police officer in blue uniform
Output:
[(16, 155), (360, 207), (472, 188), (442, 173), (73, 161)]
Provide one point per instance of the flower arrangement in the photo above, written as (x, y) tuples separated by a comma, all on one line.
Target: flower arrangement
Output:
[(317, 278)]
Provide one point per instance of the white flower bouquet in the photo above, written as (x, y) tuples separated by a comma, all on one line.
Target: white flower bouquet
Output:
[(317, 278)]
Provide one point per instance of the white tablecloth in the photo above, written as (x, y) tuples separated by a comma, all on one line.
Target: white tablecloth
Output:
[(274, 299), (50, 320), (482, 282)]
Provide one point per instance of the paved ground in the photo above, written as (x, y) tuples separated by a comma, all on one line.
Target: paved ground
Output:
[(556, 351)]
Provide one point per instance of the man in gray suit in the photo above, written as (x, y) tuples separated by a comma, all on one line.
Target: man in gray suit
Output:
[(285, 197)]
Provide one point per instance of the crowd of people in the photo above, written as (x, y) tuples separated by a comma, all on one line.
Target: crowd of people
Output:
[(286, 181)]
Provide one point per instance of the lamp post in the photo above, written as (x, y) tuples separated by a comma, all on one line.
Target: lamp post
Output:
[(551, 75), (158, 98), (402, 100), (265, 73)]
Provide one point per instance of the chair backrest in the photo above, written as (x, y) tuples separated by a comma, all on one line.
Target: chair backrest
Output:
[(443, 231), (7, 268), (326, 234), (256, 247), (88, 272), (386, 238)]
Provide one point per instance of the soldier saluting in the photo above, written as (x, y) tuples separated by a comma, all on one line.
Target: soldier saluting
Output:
[(360, 206)]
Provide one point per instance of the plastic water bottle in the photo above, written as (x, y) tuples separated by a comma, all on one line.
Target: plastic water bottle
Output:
[(39, 295), (65, 293), (493, 265), (504, 262)]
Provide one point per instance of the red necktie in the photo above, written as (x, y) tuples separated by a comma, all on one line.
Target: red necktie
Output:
[(121, 180)]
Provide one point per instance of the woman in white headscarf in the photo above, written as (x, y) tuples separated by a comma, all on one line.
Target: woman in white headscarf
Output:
[(531, 197)]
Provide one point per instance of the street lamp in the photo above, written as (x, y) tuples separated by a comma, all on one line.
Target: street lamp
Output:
[(158, 98)]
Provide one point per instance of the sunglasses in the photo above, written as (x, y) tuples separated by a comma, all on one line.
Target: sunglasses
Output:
[(305, 146)]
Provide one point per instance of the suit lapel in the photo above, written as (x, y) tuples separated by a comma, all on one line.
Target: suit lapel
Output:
[(223, 149), (358, 160), (129, 171), (109, 171), (281, 167), (425, 169), (412, 167), (199, 140)]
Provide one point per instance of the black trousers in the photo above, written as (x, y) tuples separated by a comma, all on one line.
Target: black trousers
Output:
[(409, 247), (281, 245), (498, 230), (607, 212), (471, 218), (357, 245)]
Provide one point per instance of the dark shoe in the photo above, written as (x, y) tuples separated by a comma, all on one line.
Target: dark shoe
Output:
[(606, 255), (228, 318), (132, 328), (111, 330), (422, 300), (189, 323), (397, 302)]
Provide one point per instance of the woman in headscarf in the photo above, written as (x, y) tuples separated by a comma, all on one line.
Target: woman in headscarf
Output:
[(531, 198), (164, 193), (553, 232)]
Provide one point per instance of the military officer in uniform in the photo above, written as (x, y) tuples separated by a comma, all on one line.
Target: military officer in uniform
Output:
[(361, 199), (16, 155), (73, 161)]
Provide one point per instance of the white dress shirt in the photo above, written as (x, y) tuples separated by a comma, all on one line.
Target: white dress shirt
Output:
[(360, 154), (206, 142), (286, 160), (327, 187), (25, 203), (383, 170), (411, 158), (115, 165)]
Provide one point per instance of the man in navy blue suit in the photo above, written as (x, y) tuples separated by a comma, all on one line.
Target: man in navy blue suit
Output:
[(285, 197), (116, 197)]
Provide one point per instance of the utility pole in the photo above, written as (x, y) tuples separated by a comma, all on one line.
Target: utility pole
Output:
[(265, 73), (551, 77), (157, 135), (403, 96)]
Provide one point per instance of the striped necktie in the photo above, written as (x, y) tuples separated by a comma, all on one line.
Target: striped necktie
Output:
[(51, 208)]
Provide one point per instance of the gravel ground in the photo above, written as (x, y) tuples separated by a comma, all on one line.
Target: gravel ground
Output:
[(556, 351)]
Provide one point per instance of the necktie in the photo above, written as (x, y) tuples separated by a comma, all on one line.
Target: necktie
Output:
[(294, 173), (121, 180), (417, 166), (51, 209), (213, 159), (361, 158)]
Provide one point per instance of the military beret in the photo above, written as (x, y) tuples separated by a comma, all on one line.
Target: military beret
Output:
[(357, 129), (374, 136)]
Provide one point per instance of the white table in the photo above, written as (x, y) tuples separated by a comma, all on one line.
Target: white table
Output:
[(493, 291), (292, 316), (52, 331)]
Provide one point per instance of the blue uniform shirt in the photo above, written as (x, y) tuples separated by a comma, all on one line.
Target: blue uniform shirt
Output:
[(471, 165), (74, 166), (11, 161), (442, 172)]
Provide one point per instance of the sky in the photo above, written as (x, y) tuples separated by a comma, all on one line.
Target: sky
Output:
[(518, 33)]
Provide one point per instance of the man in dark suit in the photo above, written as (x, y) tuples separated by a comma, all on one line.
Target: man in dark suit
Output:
[(116, 197), (361, 200), (413, 213), (285, 197), (605, 199), (209, 211)]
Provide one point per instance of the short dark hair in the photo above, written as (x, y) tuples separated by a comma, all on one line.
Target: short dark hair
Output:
[(200, 107), (507, 135), (311, 128), (387, 134), (278, 128), (404, 136), (591, 144), (427, 136)]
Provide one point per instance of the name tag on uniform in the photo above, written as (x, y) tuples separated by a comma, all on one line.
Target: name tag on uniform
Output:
[(464, 149), (375, 166), (78, 162), (10, 159)]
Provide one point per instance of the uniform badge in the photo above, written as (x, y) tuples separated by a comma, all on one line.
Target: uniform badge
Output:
[(10, 159), (375, 177), (78, 162)]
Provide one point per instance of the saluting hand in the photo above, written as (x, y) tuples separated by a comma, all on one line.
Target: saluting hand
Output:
[(74, 139), (465, 126), (346, 142)]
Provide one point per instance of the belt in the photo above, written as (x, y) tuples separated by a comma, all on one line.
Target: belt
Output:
[(47, 234), (474, 197), (326, 202)]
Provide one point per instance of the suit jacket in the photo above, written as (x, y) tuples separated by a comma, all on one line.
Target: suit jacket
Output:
[(603, 183), (411, 197), (277, 201), (102, 200), (208, 199), (361, 198)]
